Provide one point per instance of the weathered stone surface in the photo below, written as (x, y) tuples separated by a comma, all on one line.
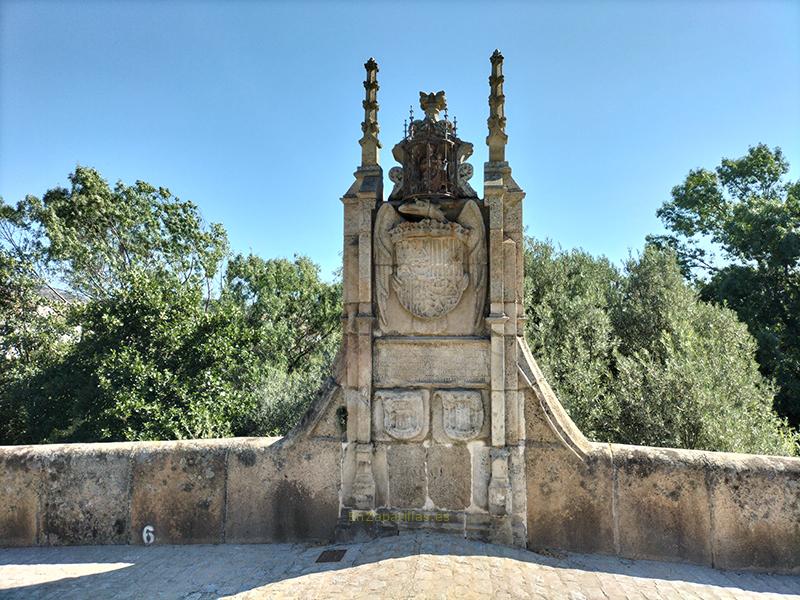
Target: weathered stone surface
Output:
[(20, 492), (331, 422), (380, 471), (756, 511), (447, 427), (415, 361), (86, 493), (280, 494), (449, 477), (569, 499), (537, 429), (481, 474), (402, 415), (519, 502), (179, 489), (662, 504), (406, 467)]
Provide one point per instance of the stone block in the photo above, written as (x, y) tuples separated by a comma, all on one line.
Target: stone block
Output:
[(20, 487), (86, 494), (481, 475), (179, 489), (414, 361), (435, 521), (662, 504), (406, 468), (489, 528), (380, 472), (755, 501), (569, 499), (519, 503), (280, 493), (449, 477)]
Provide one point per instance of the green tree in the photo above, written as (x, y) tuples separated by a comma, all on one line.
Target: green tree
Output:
[(294, 320), (737, 231), (568, 299), (93, 237), (637, 357), (294, 315), (142, 344)]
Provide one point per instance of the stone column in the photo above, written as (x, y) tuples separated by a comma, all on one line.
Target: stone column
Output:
[(360, 203), (506, 319), (498, 319)]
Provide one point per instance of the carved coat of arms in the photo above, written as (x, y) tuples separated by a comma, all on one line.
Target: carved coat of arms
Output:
[(403, 414), (430, 273), (462, 413), (430, 263)]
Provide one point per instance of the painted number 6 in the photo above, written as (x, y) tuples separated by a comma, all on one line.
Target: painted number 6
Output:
[(148, 535)]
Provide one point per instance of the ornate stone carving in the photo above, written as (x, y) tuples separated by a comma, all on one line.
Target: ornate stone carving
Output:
[(462, 413), (430, 263), (384, 258), (432, 104), (497, 138), (404, 416), (477, 258), (465, 172), (429, 273), (431, 155), (369, 141), (396, 177)]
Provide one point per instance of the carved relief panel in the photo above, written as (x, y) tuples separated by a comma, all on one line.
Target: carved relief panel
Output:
[(401, 415), (459, 416), (430, 274), (462, 413)]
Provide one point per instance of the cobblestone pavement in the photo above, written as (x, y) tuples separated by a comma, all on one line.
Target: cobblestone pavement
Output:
[(406, 566)]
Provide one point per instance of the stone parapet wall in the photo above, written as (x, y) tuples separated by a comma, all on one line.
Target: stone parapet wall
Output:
[(242, 490), (725, 510), (732, 511)]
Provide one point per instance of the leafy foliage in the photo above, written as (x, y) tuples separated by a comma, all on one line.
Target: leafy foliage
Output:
[(636, 357), (149, 351), (749, 214), (147, 343)]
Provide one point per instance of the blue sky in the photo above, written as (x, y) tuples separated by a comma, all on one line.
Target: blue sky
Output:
[(253, 109)]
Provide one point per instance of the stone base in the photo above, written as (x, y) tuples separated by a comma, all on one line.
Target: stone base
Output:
[(362, 525), (489, 528)]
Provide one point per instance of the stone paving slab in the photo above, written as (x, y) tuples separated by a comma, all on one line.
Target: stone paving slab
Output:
[(416, 565)]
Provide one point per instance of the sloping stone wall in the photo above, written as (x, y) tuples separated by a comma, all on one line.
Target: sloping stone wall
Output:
[(732, 511)]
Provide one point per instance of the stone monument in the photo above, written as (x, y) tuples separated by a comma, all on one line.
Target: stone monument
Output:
[(436, 415), (433, 328)]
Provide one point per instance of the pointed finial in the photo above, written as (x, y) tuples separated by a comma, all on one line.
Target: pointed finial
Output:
[(497, 138), (370, 144), (455, 124)]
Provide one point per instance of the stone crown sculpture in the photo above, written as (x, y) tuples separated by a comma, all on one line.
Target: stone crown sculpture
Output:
[(433, 159)]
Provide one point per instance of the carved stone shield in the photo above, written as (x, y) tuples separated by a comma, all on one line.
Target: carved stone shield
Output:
[(403, 414), (462, 413), (430, 274)]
